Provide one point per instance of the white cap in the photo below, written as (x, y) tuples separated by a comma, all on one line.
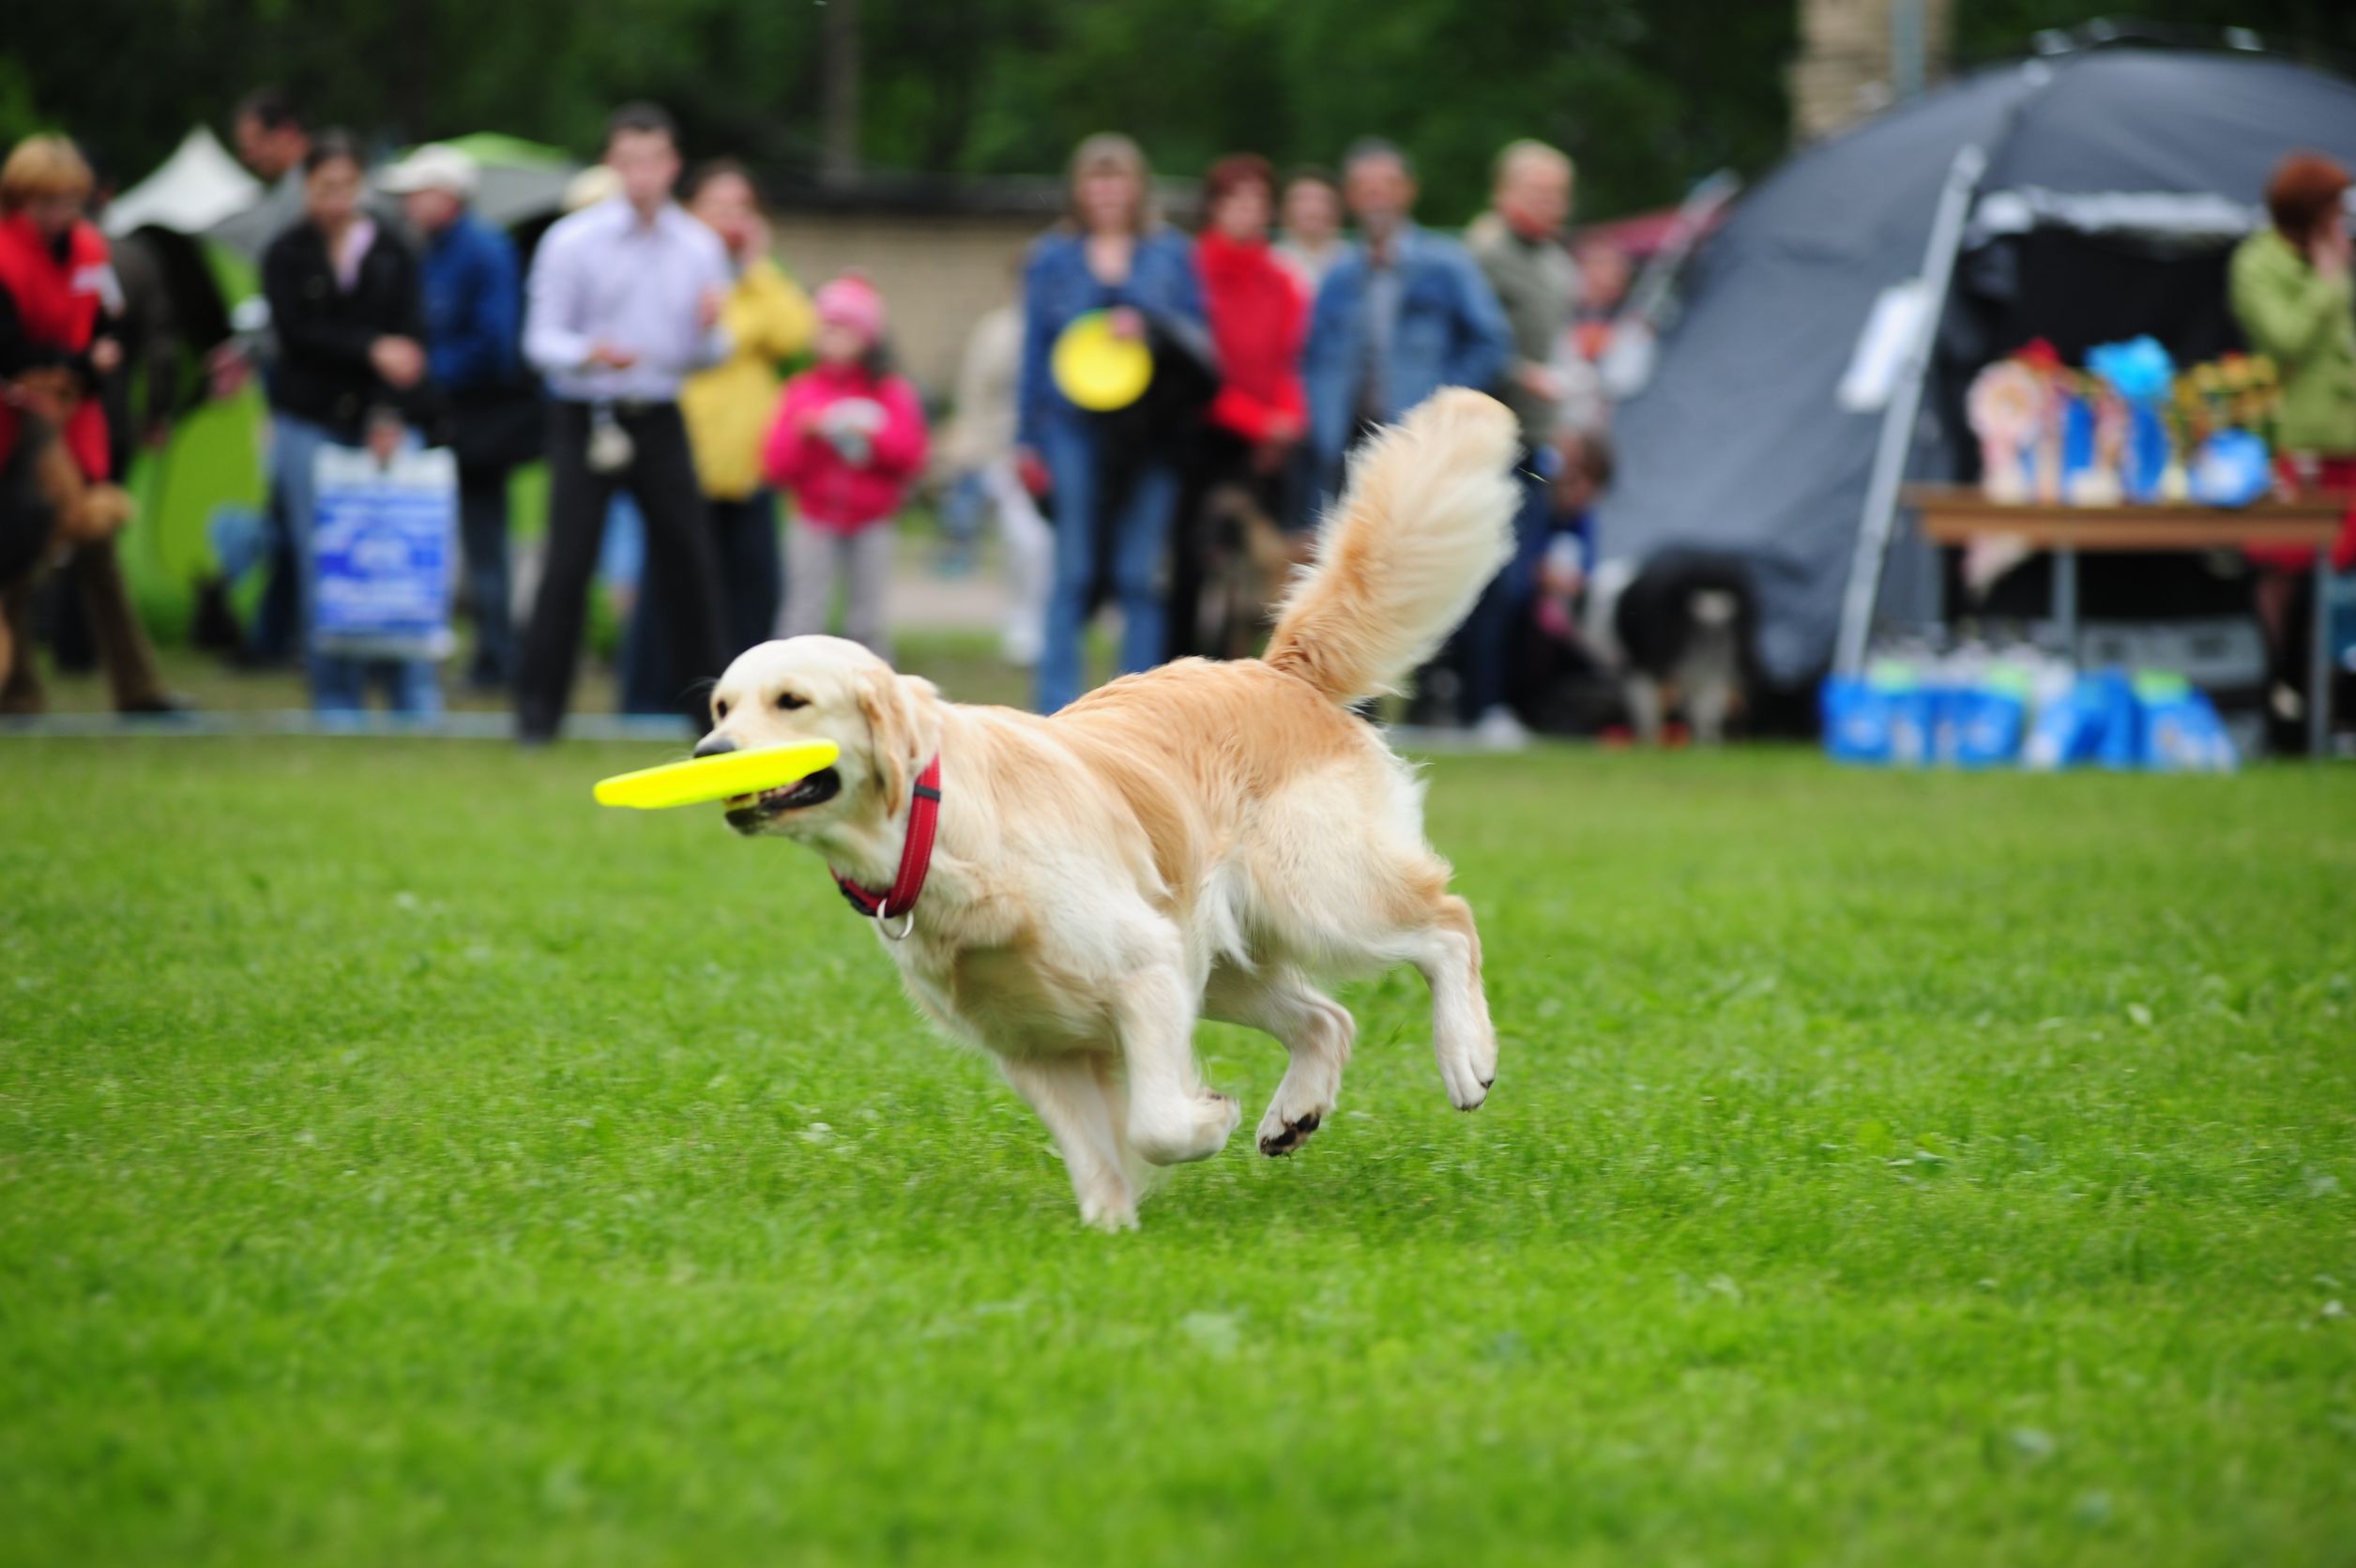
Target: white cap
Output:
[(432, 167)]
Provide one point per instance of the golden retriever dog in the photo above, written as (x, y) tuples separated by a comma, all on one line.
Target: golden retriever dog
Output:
[(1204, 838)]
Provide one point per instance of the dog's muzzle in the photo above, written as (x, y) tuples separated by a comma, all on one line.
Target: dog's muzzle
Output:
[(749, 814)]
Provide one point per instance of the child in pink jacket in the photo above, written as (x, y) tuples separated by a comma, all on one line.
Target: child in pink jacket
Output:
[(848, 442)]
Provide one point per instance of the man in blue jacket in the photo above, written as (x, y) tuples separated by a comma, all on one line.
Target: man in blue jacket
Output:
[(1401, 314), (473, 322)]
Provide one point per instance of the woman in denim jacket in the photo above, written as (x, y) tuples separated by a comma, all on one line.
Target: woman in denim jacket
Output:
[(1114, 255)]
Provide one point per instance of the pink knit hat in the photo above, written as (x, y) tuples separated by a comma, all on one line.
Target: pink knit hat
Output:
[(852, 301)]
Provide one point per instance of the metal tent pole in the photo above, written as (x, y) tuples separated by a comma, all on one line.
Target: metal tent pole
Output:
[(1905, 403)]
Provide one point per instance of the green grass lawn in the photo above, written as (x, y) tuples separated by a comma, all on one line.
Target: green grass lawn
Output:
[(965, 662), (402, 1162)]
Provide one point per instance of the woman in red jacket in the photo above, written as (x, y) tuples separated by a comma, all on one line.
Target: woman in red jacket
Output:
[(56, 291), (1259, 318)]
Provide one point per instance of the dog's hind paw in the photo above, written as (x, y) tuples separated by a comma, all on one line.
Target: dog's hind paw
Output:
[(1302, 1102), (1287, 1135)]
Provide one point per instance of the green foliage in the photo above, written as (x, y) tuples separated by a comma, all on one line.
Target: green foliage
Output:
[(402, 1162), (1647, 96), (20, 116)]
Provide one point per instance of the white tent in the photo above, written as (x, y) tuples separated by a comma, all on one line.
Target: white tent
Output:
[(194, 188)]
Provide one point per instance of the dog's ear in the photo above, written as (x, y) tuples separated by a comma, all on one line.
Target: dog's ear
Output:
[(893, 704)]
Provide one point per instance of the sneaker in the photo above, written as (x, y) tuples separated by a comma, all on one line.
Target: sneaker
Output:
[(1497, 730)]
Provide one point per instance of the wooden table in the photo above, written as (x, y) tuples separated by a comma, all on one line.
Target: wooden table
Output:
[(1958, 514)]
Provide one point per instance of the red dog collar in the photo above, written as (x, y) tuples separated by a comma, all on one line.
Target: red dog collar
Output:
[(916, 857)]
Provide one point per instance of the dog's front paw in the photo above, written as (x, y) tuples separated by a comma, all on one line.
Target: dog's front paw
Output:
[(1108, 1203), (1111, 1217), (1193, 1129)]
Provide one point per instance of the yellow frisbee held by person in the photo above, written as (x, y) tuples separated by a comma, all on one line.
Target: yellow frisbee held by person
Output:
[(723, 777), (1098, 369)]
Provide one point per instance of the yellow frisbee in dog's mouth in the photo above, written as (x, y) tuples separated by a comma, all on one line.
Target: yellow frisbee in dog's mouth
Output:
[(718, 778)]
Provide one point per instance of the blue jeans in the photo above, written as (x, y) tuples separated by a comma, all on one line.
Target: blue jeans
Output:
[(1486, 642), (338, 682), (1140, 536), (964, 507), (621, 558)]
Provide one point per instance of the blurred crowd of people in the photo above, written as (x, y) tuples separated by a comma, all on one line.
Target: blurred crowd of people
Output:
[(1306, 311), (643, 357)]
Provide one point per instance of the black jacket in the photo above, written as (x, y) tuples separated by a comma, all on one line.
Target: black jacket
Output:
[(324, 373)]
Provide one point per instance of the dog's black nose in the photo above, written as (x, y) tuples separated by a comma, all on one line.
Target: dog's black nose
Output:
[(715, 744)]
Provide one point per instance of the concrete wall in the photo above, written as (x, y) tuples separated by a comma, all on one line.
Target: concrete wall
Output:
[(1844, 69), (937, 274)]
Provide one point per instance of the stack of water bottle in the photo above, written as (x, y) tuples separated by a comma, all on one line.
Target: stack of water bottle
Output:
[(1980, 707)]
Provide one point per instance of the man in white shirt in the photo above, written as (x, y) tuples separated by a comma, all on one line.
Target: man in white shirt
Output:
[(623, 304)]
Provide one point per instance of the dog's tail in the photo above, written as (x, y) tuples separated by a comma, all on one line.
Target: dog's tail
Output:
[(1427, 520)]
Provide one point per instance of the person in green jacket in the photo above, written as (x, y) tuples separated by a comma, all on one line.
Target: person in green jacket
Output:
[(2292, 293)]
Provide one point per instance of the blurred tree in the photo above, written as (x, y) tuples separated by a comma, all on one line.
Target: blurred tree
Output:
[(1649, 95)]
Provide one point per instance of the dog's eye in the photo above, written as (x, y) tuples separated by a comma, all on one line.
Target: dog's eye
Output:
[(720, 710), (790, 700)]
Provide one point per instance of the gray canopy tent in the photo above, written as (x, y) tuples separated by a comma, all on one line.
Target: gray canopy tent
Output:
[(1830, 323)]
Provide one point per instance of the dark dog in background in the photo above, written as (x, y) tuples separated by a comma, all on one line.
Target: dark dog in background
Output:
[(1681, 628)]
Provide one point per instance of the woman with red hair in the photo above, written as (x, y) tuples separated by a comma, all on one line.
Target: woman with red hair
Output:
[(1259, 318), (2292, 293)]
